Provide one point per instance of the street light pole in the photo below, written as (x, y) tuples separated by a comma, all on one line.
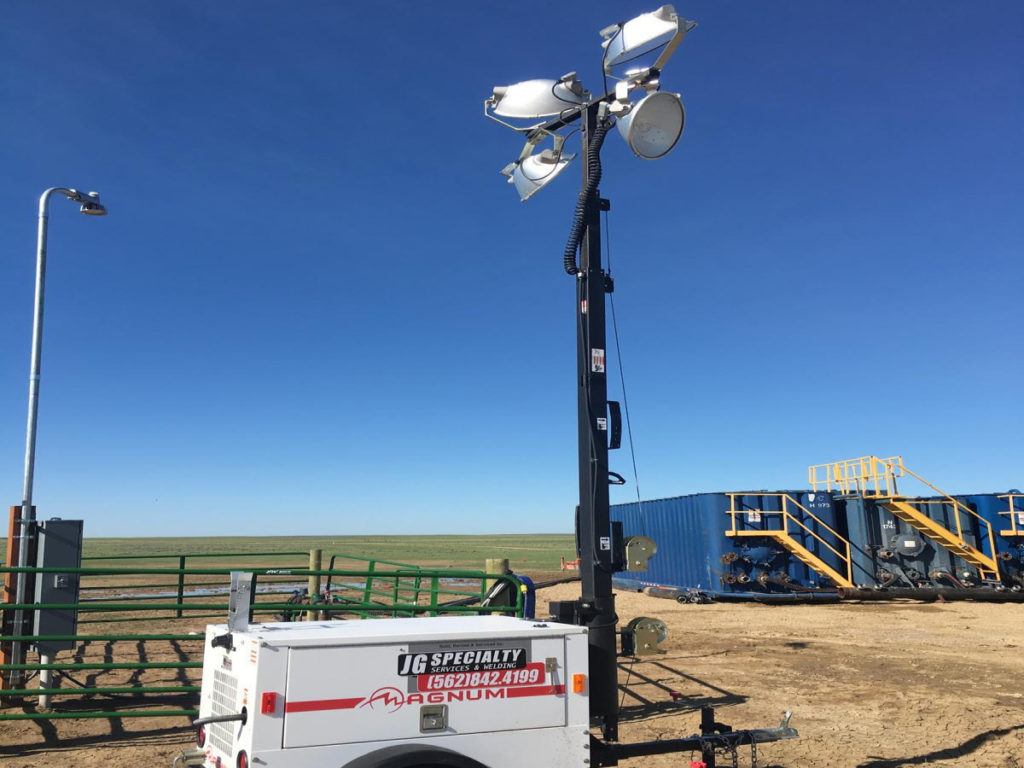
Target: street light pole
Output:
[(90, 205)]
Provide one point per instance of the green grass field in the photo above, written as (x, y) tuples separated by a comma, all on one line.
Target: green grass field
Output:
[(529, 554)]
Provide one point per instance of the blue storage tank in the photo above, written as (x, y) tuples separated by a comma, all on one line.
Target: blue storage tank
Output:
[(1009, 534), (889, 552), (695, 552)]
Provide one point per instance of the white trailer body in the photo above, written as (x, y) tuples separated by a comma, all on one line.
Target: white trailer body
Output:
[(461, 691)]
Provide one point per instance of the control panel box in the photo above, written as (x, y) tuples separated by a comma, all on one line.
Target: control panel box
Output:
[(59, 546)]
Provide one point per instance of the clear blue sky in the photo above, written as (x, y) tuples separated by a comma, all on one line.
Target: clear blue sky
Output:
[(316, 307)]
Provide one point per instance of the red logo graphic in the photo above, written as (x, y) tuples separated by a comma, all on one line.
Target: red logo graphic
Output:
[(388, 699)]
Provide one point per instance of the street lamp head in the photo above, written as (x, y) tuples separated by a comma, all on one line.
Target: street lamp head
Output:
[(91, 205)]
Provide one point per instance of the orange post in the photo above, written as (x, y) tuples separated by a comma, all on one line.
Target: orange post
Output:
[(11, 559)]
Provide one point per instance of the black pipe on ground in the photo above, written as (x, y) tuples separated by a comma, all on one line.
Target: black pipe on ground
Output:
[(980, 595)]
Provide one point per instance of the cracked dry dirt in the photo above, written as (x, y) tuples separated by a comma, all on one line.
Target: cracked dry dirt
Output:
[(871, 685)]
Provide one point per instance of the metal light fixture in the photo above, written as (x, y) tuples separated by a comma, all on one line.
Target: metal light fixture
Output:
[(91, 205), (533, 99), (653, 125), (536, 171), (533, 171), (627, 42)]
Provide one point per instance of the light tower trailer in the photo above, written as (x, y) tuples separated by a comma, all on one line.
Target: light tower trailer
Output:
[(434, 692), (479, 691), (460, 691)]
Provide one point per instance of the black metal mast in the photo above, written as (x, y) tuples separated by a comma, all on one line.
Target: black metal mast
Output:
[(594, 538)]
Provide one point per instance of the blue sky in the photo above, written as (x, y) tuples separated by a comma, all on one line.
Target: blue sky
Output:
[(316, 307)]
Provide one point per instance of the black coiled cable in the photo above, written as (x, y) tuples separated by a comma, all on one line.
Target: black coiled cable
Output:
[(579, 219)]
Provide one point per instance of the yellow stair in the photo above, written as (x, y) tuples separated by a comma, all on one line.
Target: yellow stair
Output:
[(875, 478), (987, 567), (784, 518), (801, 553)]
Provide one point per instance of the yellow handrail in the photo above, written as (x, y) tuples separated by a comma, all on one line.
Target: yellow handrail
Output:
[(1013, 513), (873, 477), (867, 475), (787, 516), (958, 506)]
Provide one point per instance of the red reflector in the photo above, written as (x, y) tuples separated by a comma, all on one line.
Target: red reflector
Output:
[(242, 761), (201, 736), (268, 703)]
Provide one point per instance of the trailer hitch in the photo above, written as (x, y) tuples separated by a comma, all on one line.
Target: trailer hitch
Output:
[(713, 738)]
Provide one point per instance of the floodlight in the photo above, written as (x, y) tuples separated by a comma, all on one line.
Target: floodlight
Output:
[(644, 34), (537, 98), (653, 125), (535, 171)]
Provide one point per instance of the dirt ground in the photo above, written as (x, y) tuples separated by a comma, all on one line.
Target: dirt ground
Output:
[(873, 685)]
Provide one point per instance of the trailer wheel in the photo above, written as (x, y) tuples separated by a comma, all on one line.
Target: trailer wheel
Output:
[(409, 756)]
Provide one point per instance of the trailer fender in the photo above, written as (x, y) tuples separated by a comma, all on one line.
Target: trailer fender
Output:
[(414, 756)]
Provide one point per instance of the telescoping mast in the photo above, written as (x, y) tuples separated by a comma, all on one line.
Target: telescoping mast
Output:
[(651, 121)]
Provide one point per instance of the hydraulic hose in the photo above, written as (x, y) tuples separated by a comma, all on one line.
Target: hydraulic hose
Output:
[(579, 219)]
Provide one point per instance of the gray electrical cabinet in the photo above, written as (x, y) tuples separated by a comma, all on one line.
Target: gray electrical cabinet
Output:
[(59, 545)]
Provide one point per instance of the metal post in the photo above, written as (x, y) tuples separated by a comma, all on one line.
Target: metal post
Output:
[(27, 511), (315, 560), (597, 606), (181, 582), (90, 204), (45, 678)]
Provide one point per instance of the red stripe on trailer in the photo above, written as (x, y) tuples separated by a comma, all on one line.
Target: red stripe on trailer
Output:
[(321, 705), (535, 690)]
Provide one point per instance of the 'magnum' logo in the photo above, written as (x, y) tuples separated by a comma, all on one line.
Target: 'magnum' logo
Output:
[(390, 699)]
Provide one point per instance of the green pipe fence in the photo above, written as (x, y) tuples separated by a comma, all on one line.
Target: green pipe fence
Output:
[(180, 583), (101, 715), (374, 589), (139, 691)]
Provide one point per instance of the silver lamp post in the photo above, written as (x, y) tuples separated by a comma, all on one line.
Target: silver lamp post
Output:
[(90, 204)]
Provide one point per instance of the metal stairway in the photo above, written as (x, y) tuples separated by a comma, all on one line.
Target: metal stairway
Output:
[(782, 536), (875, 478), (987, 566)]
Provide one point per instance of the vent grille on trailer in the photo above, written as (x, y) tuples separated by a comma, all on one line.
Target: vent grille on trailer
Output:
[(225, 702)]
